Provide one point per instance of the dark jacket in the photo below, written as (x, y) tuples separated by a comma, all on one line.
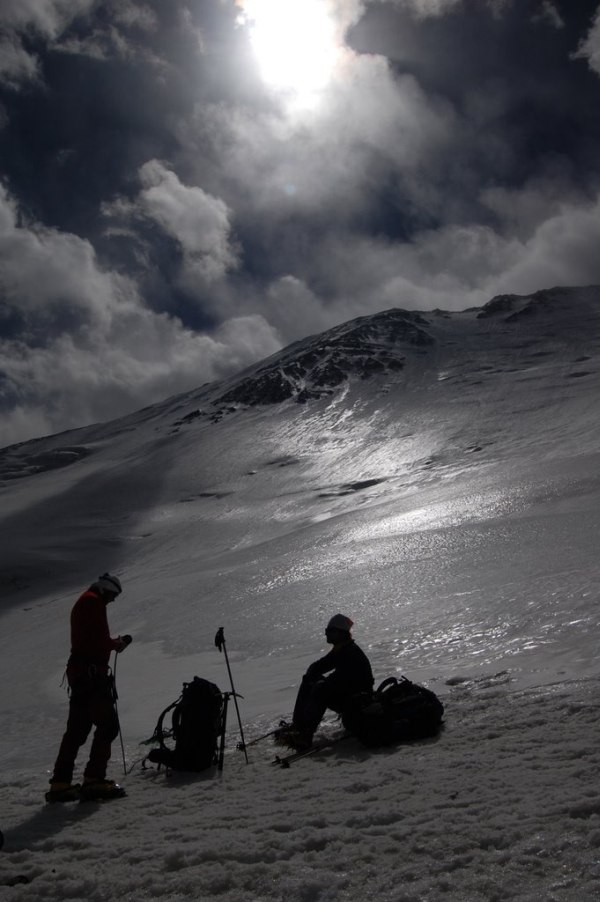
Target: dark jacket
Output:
[(350, 665), (91, 642)]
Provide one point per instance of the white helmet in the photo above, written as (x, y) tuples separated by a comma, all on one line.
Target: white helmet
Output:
[(109, 583)]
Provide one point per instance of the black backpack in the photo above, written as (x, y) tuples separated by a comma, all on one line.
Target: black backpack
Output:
[(397, 711), (196, 726)]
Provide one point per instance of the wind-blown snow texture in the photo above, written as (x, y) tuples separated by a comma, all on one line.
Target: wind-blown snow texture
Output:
[(436, 477)]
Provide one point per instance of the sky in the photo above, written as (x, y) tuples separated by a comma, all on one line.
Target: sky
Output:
[(186, 186)]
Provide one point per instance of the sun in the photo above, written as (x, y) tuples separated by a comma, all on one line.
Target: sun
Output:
[(295, 43)]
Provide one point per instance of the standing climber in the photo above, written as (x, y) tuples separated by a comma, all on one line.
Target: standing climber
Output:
[(92, 697)]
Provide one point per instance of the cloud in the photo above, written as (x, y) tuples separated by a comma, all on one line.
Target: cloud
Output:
[(50, 19), (16, 65), (549, 14), (590, 46), (45, 18), (314, 186), (427, 8), (198, 221), (327, 163), (452, 267), (44, 272), (431, 9), (101, 44), (294, 309), (137, 15), (521, 210), (122, 35), (562, 251), (85, 347)]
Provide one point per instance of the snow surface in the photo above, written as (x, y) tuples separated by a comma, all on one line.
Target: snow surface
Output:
[(450, 508)]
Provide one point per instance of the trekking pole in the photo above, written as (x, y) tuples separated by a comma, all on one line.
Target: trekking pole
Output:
[(115, 697), (223, 729), (220, 643)]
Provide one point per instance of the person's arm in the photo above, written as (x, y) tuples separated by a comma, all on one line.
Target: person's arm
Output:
[(322, 666)]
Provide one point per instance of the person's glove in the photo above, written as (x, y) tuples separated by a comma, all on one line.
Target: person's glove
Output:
[(123, 642)]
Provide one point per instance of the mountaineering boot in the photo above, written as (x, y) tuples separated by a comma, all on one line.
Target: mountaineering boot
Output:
[(100, 790), (293, 738), (63, 792)]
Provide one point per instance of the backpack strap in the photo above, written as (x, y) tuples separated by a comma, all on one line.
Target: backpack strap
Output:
[(386, 689), (390, 681), (159, 733)]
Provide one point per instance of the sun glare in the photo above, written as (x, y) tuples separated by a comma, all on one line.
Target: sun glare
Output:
[(294, 42)]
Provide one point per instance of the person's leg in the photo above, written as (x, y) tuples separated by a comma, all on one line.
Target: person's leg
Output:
[(311, 704), (79, 724), (103, 715)]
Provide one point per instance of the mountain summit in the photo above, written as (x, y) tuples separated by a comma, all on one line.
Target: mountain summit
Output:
[(523, 329), (393, 352), (315, 367)]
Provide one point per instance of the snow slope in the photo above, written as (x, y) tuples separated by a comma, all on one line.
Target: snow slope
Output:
[(435, 476)]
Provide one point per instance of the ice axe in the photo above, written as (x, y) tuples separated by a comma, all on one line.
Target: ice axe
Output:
[(220, 643), (114, 695)]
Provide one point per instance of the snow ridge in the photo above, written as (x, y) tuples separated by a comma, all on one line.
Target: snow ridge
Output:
[(385, 343)]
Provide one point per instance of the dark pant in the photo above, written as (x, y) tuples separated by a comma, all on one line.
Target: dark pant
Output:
[(91, 705), (313, 699)]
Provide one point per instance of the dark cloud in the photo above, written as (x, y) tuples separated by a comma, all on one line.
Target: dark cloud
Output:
[(511, 78), (167, 216), (589, 47)]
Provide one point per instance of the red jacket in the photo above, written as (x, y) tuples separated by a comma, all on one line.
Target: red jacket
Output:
[(91, 642)]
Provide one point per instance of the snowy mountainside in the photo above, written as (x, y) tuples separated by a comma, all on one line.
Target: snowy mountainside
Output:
[(446, 497), (389, 402), (404, 445)]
